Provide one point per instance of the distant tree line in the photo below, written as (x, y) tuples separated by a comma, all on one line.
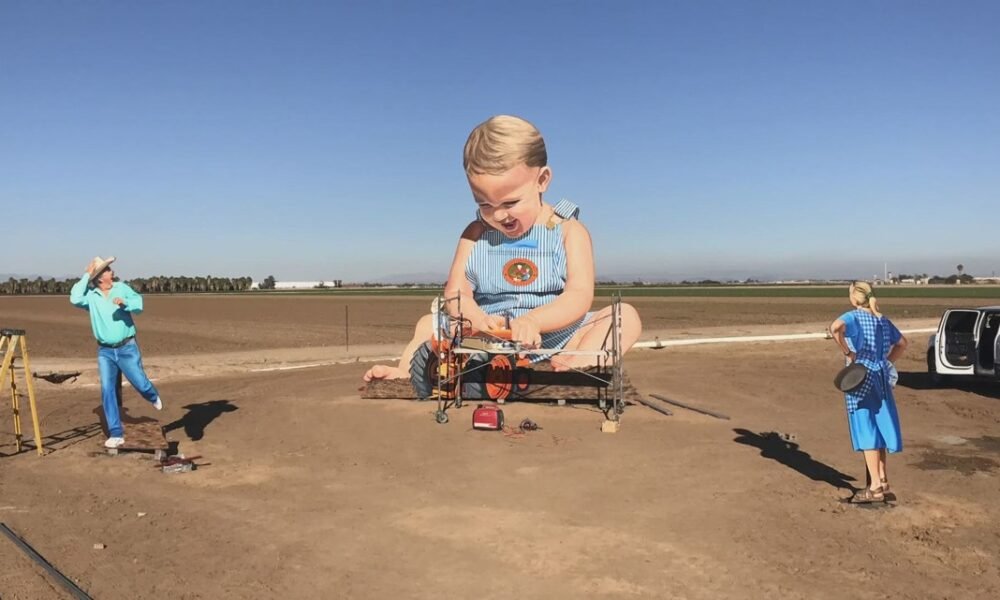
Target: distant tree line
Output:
[(143, 285), (168, 285), (961, 278), (155, 285), (36, 286), (952, 279)]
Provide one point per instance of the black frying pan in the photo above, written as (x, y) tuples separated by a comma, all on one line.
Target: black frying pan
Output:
[(850, 378)]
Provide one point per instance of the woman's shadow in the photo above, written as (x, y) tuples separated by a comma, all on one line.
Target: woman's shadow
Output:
[(199, 416), (775, 447)]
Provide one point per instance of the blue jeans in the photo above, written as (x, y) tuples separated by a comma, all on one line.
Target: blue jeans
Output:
[(112, 363)]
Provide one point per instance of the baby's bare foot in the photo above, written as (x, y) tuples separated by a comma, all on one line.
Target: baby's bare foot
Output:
[(385, 372)]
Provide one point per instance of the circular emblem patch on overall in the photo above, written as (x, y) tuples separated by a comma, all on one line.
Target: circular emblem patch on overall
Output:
[(520, 271)]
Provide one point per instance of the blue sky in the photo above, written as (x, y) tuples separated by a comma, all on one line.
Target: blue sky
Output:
[(323, 140)]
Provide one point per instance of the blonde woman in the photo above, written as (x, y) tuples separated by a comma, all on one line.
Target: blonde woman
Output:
[(866, 337)]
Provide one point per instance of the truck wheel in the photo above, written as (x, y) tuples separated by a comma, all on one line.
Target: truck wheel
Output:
[(936, 378)]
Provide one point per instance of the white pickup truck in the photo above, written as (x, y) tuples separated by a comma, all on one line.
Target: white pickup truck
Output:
[(966, 344)]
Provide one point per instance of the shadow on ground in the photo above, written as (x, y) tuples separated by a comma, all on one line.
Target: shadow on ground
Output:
[(774, 446), (199, 416), (916, 380), (53, 441)]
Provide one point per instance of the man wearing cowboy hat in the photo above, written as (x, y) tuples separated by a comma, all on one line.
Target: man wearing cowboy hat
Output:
[(111, 305)]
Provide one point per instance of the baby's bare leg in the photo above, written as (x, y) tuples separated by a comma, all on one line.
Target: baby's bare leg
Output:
[(594, 333), (421, 333)]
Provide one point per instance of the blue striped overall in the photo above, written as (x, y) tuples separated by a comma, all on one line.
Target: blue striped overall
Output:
[(512, 276)]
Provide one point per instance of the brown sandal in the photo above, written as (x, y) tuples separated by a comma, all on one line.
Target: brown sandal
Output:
[(868, 495), (885, 485)]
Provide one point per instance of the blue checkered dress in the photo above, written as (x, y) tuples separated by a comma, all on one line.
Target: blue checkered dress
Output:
[(871, 410), (871, 341)]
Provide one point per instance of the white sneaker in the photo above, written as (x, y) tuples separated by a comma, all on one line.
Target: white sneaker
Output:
[(158, 405), (114, 442)]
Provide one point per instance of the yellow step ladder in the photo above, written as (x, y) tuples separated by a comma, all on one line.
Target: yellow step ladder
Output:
[(14, 339)]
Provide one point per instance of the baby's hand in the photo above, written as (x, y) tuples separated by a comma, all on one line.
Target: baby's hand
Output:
[(492, 323), (526, 330)]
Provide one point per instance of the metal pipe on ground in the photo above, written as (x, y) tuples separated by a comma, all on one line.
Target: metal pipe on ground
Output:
[(703, 411), (52, 571), (654, 406)]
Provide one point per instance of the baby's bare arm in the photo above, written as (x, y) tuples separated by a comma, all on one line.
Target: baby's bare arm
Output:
[(458, 284)]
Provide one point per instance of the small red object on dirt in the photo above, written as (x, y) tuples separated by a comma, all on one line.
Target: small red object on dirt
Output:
[(488, 417)]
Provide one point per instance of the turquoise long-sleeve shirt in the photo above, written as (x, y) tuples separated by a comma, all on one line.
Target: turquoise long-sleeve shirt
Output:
[(110, 323)]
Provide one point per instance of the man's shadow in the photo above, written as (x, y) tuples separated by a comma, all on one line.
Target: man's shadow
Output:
[(775, 447), (199, 416)]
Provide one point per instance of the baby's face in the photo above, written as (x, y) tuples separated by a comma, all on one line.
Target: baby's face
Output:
[(512, 201)]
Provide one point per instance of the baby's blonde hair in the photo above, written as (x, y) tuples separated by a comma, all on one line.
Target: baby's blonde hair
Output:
[(501, 143), (862, 293)]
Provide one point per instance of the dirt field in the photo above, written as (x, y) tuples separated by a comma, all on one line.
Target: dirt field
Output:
[(307, 491)]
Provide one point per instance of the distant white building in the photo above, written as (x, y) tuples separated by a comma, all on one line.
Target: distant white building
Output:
[(305, 285), (301, 285)]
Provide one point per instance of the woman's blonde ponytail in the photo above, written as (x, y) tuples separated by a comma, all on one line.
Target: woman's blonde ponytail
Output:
[(864, 296), (873, 304)]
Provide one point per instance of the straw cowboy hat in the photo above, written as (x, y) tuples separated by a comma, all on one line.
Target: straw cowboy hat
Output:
[(99, 265)]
